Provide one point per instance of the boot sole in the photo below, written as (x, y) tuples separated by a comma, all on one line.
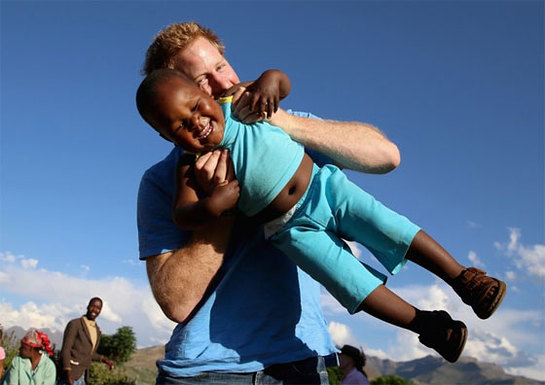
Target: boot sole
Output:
[(500, 295)]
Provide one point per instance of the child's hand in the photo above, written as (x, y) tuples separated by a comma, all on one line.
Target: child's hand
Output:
[(264, 95), (225, 196), (259, 99), (213, 168)]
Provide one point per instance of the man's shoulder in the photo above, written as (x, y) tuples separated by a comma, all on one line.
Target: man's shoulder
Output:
[(167, 161), (75, 321), (164, 168)]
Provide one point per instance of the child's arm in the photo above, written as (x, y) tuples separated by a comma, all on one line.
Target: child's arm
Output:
[(260, 98), (267, 91), (191, 212)]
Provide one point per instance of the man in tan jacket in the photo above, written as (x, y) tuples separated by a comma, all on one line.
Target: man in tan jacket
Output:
[(79, 345)]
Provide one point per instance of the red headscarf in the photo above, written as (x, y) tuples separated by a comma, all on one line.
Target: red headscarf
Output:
[(39, 340)]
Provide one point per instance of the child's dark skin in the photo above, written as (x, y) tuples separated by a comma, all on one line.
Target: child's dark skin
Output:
[(266, 92), (194, 121)]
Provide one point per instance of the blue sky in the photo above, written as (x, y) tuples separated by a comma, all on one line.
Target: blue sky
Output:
[(458, 86)]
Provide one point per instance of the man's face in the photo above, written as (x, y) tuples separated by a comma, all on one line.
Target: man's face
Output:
[(93, 309), (203, 63), (187, 116)]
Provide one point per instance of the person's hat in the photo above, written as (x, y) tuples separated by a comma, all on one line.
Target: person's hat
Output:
[(38, 340), (356, 354)]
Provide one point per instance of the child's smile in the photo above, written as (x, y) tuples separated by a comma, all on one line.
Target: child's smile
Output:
[(187, 116)]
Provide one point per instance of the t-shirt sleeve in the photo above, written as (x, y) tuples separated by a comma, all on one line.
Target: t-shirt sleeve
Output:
[(157, 233), (318, 158)]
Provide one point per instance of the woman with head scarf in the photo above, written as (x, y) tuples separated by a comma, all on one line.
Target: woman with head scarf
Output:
[(351, 362), (32, 366)]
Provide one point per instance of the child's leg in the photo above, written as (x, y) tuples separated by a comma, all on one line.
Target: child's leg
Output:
[(429, 254), (393, 239), (328, 260), (436, 329), (484, 294)]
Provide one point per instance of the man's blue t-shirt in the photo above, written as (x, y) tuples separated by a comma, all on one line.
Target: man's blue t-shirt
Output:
[(261, 310)]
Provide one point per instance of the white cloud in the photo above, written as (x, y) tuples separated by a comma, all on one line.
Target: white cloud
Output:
[(534, 371), (29, 263), (131, 261), (498, 339), (474, 259), (473, 225), (341, 335), (31, 314), (354, 247), (330, 304), (511, 276), (52, 298), (530, 259), (8, 257)]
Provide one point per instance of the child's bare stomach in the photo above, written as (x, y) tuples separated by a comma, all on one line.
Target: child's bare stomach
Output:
[(290, 194)]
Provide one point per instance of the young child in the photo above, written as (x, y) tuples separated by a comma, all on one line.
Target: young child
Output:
[(307, 209)]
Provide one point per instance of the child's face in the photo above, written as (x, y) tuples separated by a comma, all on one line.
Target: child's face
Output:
[(187, 116)]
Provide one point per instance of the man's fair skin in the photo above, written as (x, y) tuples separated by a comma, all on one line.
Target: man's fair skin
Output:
[(180, 278)]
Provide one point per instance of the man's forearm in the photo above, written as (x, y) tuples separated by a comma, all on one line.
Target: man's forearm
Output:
[(180, 278), (353, 145)]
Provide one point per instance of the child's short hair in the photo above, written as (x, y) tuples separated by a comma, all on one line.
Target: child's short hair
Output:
[(146, 93)]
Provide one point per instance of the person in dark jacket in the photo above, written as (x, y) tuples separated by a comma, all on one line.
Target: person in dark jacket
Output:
[(79, 346)]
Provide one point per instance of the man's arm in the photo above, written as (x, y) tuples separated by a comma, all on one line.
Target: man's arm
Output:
[(67, 342), (353, 145), (179, 279)]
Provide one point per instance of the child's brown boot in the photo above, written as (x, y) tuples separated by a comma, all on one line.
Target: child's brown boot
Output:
[(483, 293), (443, 334)]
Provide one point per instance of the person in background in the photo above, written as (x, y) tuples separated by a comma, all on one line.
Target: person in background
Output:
[(351, 362), (79, 345), (2, 352), (32, 366)]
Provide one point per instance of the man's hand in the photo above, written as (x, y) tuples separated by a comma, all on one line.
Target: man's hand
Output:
[(68, 377), (212, 169), (108, 362)]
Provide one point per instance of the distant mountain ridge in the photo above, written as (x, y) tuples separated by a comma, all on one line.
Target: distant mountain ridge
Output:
[(432, 370), (423, 371), (55, 336), (429, 370)]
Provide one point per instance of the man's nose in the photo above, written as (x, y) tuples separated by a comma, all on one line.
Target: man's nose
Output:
[(219, 83)]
